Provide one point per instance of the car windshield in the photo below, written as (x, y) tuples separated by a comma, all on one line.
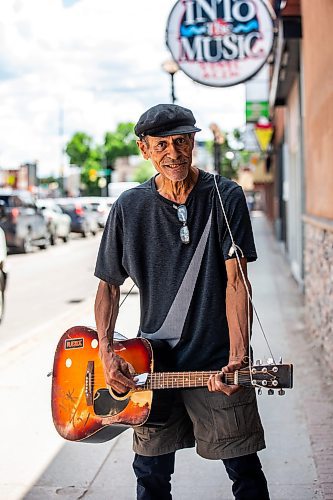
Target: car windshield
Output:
[(69, 207), (11, 200), (7, 200), (95, 206)]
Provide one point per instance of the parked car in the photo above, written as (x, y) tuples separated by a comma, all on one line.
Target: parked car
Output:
[(58, 223), (83, 220), (22, 221), (3, 273), (100, 206)]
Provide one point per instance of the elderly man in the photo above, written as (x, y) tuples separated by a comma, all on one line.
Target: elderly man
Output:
[(170, 236)]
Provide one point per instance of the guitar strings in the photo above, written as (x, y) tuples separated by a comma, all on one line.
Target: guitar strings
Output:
[(199, 373), (194, 373), (168, 377)]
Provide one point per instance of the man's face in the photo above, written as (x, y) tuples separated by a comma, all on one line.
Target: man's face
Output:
[(171, 155)]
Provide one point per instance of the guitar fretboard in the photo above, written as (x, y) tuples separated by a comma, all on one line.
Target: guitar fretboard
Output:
[(174, 380)]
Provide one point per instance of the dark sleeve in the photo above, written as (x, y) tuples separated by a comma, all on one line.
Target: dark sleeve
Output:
[(240, 224), (109, 265)]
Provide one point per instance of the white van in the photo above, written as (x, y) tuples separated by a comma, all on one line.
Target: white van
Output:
[(116, 188)]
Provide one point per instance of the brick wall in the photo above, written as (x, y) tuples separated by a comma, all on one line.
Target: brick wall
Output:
[(318, 250)]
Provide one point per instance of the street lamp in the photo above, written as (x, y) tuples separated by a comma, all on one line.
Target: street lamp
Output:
[(171, 67), (218, 141)]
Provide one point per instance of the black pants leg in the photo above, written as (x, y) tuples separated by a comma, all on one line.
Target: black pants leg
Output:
[(249, 482), (154, 476)]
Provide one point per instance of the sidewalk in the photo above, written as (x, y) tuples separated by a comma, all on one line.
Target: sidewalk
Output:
[(37, 465)]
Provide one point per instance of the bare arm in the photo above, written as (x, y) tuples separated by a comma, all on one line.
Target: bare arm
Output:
[(237, 317), (116, 371), (237, 313)]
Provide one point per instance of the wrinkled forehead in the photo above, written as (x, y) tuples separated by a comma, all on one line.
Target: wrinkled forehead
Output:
[(168, 138)]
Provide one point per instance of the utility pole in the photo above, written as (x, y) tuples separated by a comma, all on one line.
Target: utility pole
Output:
[(62, 149)]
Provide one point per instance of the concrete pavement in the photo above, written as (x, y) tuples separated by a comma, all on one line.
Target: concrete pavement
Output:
[(37, 465), (45, 284)]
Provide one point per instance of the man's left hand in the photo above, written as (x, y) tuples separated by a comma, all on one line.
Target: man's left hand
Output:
[(215, 383)]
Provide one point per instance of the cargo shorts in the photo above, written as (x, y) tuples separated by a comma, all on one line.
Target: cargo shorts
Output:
[(220, 426)]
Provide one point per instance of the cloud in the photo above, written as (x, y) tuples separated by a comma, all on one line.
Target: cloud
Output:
[(94, 64)]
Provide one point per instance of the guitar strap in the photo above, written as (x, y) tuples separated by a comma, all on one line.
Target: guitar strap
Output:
[(235, 249)]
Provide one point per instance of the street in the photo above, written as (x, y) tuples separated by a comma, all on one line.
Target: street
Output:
[(53, 290), (48, 292), (45, 285)]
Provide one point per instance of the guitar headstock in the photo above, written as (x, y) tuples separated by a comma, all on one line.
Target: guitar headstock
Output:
[(272, 376)]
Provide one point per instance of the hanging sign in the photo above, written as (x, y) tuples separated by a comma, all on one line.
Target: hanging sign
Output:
[(220, 42), (256, 109), (263, 132)]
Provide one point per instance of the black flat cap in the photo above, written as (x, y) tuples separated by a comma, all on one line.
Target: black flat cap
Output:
[(166, 119)]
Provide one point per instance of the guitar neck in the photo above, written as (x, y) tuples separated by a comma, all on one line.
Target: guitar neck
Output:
[(178, 380)]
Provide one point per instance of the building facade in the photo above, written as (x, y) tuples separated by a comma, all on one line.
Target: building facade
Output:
[(318, 153), (301, 91)]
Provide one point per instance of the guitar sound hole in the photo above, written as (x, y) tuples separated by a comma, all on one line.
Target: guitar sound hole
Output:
[(106, 406), (120, 394)]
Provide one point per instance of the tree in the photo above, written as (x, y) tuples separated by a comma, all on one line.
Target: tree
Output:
[(143, 172), (230, 149), (122, 142), (93, 158), (90, 171), (79, 148), (45, 181), (82, 152)]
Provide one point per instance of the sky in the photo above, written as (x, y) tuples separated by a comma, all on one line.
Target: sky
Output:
[(86, 65)]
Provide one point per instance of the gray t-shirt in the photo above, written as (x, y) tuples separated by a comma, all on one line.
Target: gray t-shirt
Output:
[(182, 287)]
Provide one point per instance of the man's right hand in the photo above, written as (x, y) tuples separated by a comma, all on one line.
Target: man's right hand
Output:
[(117, 372)]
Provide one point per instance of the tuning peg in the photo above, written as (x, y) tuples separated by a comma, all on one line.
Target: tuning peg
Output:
[(259, 391), (280, 360), (281, 392), (270, 392), (270, 361), (258, 362)]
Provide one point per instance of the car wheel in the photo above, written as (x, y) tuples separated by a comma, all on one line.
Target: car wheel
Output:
[(2, 294), (53, 239), (46, 243), (27, 244), (65, 238)]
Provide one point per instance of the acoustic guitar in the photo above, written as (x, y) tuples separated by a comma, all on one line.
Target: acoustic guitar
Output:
[(85, 409)]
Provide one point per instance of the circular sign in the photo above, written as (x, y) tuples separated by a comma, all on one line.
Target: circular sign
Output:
[(220, 42)]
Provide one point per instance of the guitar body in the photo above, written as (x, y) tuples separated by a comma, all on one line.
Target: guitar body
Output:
[(82, 407)]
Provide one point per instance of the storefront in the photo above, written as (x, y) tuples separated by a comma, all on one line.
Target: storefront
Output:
[(302, 105), (287, 154)]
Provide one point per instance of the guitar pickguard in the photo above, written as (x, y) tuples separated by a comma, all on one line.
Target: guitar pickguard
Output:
[(106, 406)]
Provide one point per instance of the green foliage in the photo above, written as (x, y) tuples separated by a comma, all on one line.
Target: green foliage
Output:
[(232, 143), (91, 157), (79, 148), (48, 180), (143, 172), (244, 156), (122, 142)]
